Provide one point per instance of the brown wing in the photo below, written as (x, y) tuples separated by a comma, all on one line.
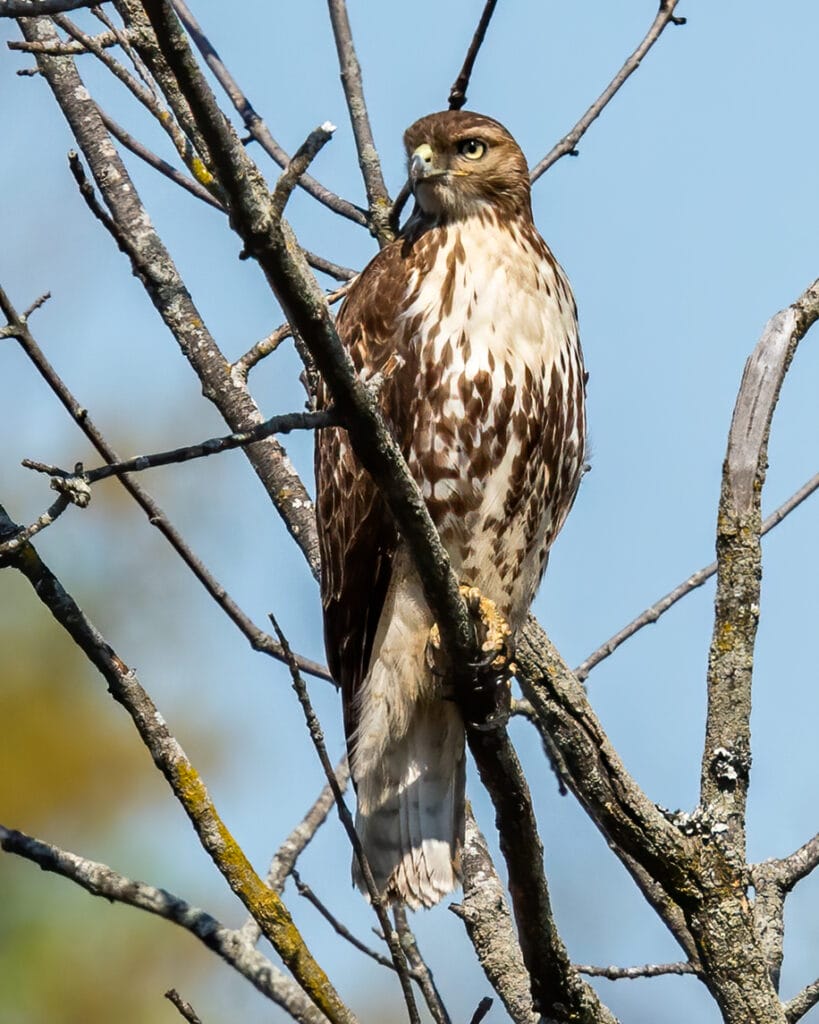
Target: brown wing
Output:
[(356, 532)]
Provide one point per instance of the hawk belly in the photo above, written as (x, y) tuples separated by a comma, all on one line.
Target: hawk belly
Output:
[(497, 451)]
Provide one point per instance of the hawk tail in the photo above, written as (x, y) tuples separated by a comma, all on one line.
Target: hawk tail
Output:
[(410, 815)]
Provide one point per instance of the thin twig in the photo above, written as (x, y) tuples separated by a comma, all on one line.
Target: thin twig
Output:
[(317, 737), (483, 1007), (148, 98), (283, 424), (258, 639), (298, 164), (645, 971), (797, 1007), (568, 144), (418, 966), (185, 1009), (378, 198), (338, 926), (61, 49), (294, 845), (244, 364), (8, 547), (168, 170), (457, 94), (254, 123), (653, 613), (101, 880), (124, 36)]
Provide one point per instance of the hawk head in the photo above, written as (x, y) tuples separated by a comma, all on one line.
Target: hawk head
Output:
[(461, 163)]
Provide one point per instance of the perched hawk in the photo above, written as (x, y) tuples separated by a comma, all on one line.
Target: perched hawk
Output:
[(471, 327)]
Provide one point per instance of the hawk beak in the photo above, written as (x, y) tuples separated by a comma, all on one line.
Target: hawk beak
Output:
[(421, 163)]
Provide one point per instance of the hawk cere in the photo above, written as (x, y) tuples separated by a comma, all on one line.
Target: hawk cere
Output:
[(471, 327)]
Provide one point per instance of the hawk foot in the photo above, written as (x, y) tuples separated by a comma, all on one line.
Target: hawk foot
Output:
[(490, 692)]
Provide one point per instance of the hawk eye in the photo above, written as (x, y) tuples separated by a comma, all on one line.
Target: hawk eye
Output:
[(472, 149)]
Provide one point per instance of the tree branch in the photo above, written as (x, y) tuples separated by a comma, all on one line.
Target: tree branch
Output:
[(35, 8), (727, 752), (653, 613), (645, 971), (282, 424), (378, 198), (185, 1009), (485, 913), (568, 144), (797, 1007), (457, 94), (418, 966), (100, 880)]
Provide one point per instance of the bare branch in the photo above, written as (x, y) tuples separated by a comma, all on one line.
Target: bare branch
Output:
[(293, 846), (299, 163), (646, 971), (653, 613), (418, 966), (797, 1007), (100, 880), (484, 1006), (268, 345), (378, 197), (457, 94), (568, 144), (185, 1009), (338, 927), (282, 424), (123, 685), (254, 123), (35, 8), (24, 534), (104, 39), (168, 170), (727, 751), (485, 913)]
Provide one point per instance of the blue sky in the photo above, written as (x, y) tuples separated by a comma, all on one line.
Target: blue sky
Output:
[(687, 220)]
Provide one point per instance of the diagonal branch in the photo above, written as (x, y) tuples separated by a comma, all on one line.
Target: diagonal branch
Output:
[(567, 145), (123, 685), (457, 94), (797, 1007), (378, 198), (727, 751), (100, 880), (653, 613)]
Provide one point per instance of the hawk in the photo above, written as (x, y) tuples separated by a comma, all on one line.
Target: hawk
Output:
[(469, 326)]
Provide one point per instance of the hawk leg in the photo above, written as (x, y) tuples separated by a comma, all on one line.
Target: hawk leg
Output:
[(489, 697)]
